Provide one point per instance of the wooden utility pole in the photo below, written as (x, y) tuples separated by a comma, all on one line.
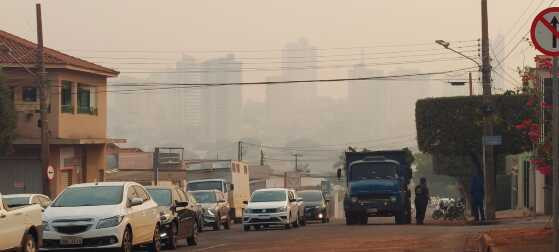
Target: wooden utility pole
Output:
[(471, 83), (489, 161), (156, 166), (240, 151), (43, 104)]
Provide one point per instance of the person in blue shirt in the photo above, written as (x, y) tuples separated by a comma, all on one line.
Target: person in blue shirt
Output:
[(477, 193)]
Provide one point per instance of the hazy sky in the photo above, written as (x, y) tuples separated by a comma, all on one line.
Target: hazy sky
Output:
[(171, 27)]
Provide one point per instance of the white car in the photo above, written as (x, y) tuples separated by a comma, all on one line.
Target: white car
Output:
[(15, 200), (300, 208), (20, 227), (117, 215), (271, 207)]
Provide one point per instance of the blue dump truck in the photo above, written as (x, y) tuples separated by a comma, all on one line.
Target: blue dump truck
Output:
[(377, 185)]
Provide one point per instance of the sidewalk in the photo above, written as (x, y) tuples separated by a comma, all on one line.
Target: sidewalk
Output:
[(517, 239)]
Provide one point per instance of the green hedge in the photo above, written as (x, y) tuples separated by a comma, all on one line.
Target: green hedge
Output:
[(451, 128)]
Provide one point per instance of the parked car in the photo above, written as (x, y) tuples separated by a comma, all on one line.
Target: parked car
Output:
[(178, 216), (316, 206), (271, 207), (16, 200), (21, 228), (300, 208), (118, 215), (215, 208), (197, 207)]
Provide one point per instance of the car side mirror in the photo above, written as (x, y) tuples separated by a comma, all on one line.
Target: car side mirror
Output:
[(181, 204), (136, 202), (245, 202), (339, 173)]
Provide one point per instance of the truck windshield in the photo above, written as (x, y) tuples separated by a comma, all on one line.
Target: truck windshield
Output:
[(90, 196), (204, 197), (365, 171), (268, 196), (205, 185), (161, 196)]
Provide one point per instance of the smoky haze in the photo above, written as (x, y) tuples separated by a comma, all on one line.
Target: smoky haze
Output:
[(200, 42)]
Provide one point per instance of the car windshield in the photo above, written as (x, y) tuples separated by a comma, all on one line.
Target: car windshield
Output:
[(205, 185), (309, 196), (90, 196), (267, 196), (204, 197), (365, 171), (16, 201), (161, 196)]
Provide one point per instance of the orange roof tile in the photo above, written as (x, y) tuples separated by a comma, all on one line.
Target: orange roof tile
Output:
[(24, 51)]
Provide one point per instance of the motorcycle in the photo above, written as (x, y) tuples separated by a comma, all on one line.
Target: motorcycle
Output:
[(450, 210)]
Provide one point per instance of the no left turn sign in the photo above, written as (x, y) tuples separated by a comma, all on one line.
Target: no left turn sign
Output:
[(544, 33)]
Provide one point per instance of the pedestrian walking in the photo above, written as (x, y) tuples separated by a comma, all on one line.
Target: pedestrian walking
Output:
[(477, 193), (421, 200)]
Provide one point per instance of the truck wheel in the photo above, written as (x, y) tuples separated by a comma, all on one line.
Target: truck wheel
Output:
[(364, 220), (29, 243)]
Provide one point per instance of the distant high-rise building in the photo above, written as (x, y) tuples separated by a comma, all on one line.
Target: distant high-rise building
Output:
[(221, 106), (498, 49), (299, 62)]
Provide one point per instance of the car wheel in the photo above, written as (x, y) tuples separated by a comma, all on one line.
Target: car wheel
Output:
[(172, 238), (126, 245), (193, 239), (29, 244), (227, 223), (217, 223), (155, 245)]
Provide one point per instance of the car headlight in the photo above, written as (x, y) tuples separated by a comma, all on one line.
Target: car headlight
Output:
[(110, 222), (393, 198), (354, 199), (282, 209), (46, 226), (210, 212)]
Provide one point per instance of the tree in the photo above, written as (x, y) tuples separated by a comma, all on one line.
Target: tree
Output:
[(7, 119), (450, 128)]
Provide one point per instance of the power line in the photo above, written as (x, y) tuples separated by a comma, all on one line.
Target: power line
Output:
[(295, 68), (260, 50)]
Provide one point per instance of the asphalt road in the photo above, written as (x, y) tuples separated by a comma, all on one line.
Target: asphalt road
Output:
[(380, 235)]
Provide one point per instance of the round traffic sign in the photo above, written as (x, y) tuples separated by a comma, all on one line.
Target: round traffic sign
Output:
[(50, 172), (544, 33)]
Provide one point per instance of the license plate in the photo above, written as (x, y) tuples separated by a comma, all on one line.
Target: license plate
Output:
[(263, 216), (372, 210), (71, 241)]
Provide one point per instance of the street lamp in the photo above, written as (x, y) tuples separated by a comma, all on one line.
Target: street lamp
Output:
[(446, 45)]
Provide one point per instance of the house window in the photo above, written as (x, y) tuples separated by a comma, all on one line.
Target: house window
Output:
[(29, 94), (86, 99), (66, 97)]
